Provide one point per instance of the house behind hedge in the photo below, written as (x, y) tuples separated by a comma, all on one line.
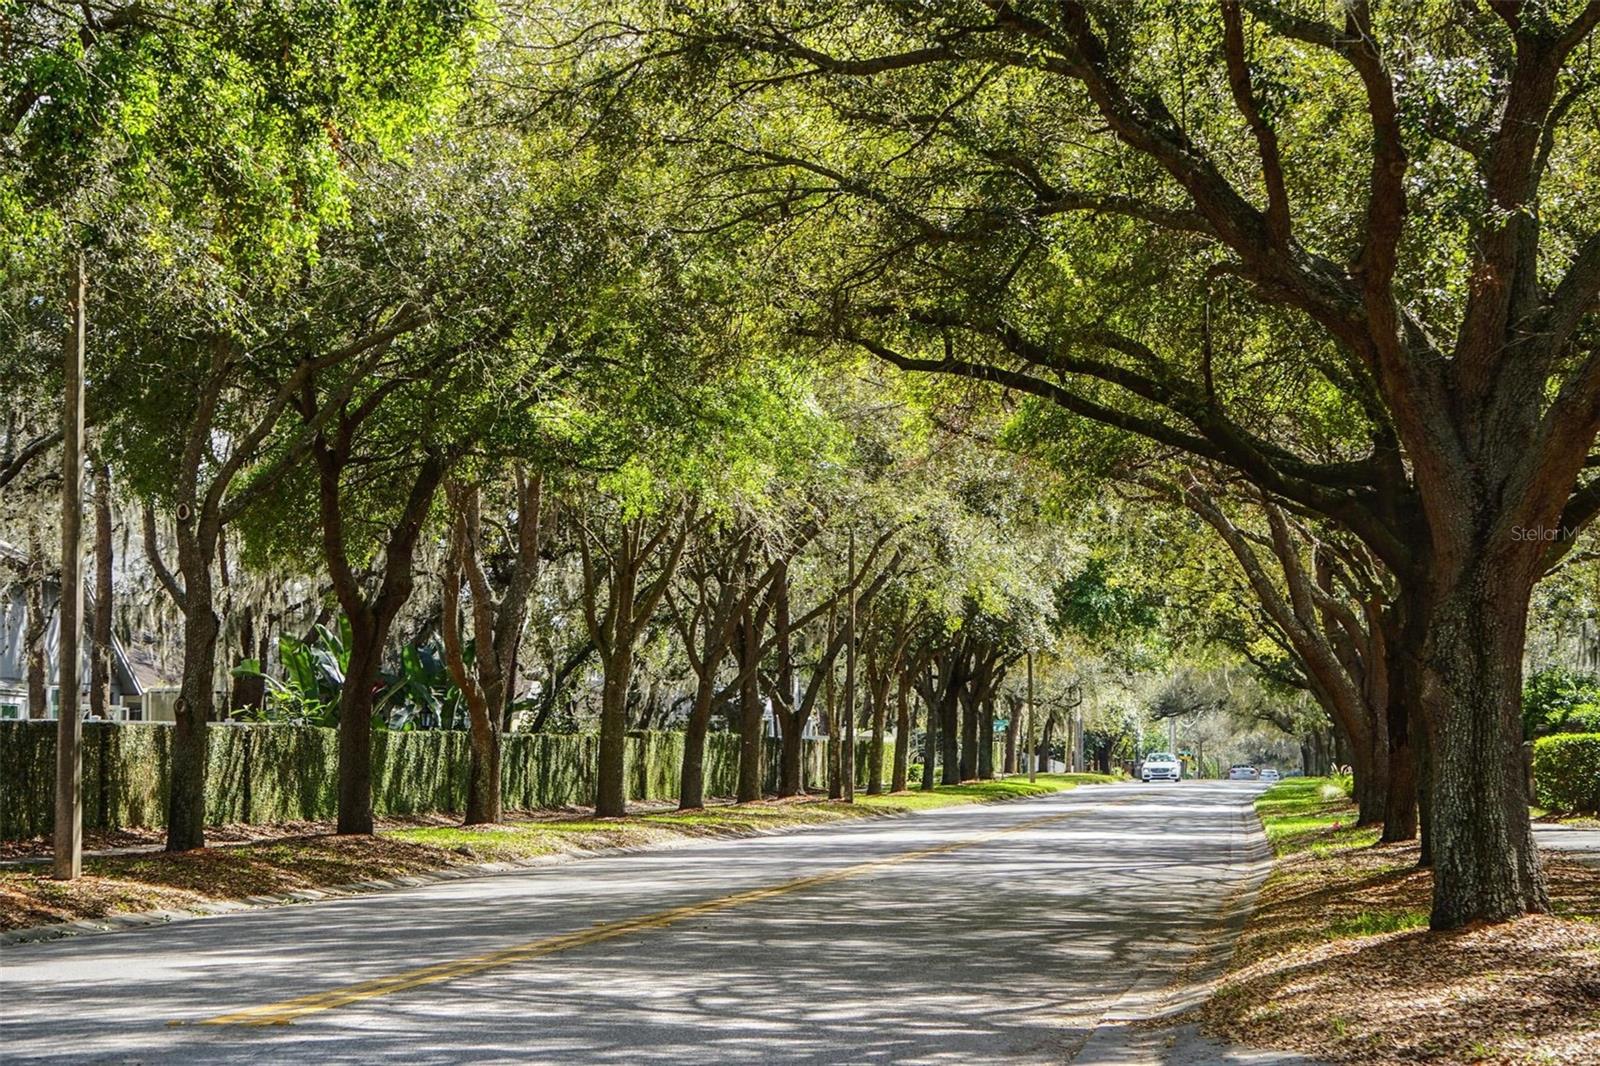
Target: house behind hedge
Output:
[(129, 692)]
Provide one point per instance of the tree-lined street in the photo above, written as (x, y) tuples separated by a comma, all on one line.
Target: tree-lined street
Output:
[(443, 432)]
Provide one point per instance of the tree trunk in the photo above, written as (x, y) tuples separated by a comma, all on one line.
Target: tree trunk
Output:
[(370, 618), (752, 764), (969, 732), (692, 775), (1419, 743), (1400, 811), (1486, 865), (249, 690), (1315, 750), (186, 790), (834, 756), (878, 692), (355, 727), (484, 805), (950, 736), (791, 751), (1369, 765), (1012, 728), (930, 741), (611, 781), (1404, 641), (68, 834), (38, 625), (986, 739), (902, 736), (100, 661)]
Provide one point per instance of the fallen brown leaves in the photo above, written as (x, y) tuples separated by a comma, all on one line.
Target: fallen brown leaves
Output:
[(1334, 964), (160, 881)]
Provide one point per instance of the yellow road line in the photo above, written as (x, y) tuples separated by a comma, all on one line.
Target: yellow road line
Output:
[(288, 1010)]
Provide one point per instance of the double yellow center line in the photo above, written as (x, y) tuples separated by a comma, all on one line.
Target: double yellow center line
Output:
[(290, 1009)]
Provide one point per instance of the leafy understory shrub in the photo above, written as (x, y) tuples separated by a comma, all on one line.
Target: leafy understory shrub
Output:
[(1566, 772)]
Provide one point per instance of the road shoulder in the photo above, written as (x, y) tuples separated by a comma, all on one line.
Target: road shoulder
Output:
[(1337, 962)]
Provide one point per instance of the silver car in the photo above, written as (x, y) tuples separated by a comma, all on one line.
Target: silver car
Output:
[(1242, 773)]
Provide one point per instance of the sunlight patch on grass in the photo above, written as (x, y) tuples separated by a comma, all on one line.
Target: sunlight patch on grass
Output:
[(1311, 814), (1013, 787), (1371, 923)]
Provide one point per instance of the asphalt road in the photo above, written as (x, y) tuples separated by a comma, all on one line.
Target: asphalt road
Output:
[(996, 933)]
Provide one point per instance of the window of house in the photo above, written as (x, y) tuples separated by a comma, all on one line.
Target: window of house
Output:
[(11, 711)]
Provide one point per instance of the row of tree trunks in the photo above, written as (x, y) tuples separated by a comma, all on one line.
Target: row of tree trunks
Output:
[(722, 582), (205, 498), (1482, 417), (1406, 687), (794, 705), (986, 739), (1346, 656), (497, 625)]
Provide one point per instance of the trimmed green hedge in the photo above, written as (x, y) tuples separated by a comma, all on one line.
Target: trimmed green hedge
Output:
[(278, 773), (1566, 772)]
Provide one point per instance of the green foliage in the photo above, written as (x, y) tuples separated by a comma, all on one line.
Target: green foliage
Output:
[(248, 110), (420, 695), (1553, 697), (1566, 772), (313, 673), (1312, 814), (1093, 603), (1016, 787)]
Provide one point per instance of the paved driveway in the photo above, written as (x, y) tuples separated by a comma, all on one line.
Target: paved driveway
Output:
[(1572, 842)]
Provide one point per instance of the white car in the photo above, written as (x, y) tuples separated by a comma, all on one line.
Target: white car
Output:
[(1269, 774), (1242, 773), (1161, 766)]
